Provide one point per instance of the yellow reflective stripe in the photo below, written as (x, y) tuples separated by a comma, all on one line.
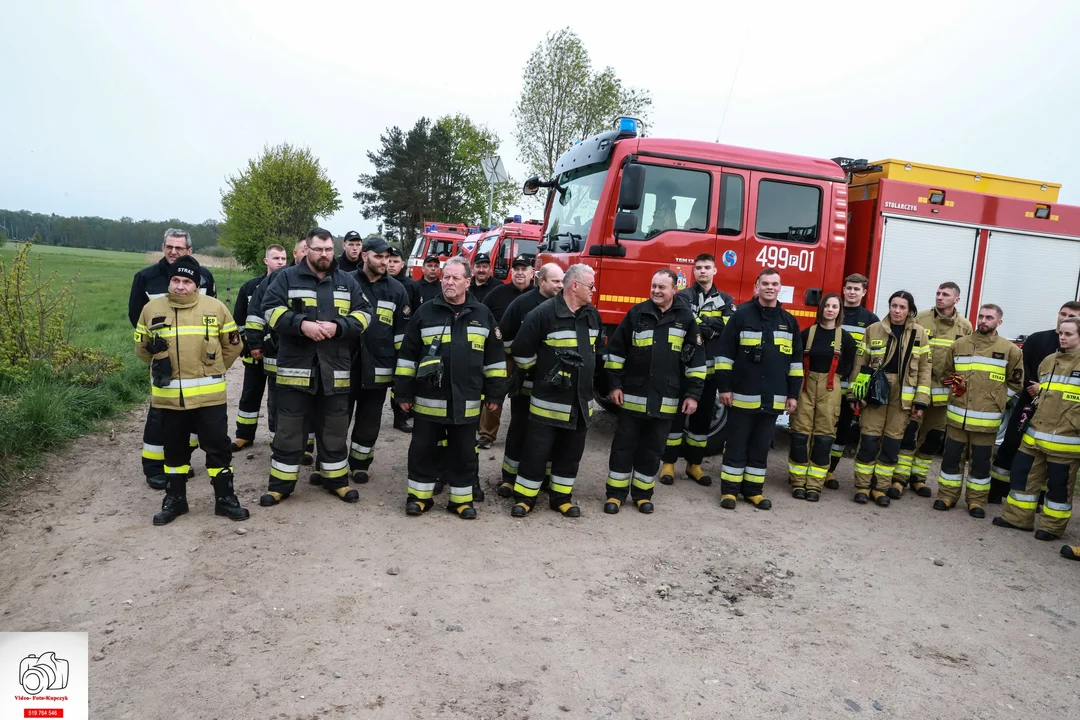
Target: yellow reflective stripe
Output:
[(276, 314), (362, 316), (198, 390)]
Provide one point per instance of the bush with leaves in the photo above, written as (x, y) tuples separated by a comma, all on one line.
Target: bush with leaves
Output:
[(216, 251), (35, 327)]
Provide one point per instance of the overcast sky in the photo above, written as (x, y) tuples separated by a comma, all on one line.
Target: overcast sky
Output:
[(124, 107)]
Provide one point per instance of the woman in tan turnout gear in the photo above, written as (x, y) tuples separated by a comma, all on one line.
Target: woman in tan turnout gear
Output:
[(1050, 449), (828, 357), (901, 349)]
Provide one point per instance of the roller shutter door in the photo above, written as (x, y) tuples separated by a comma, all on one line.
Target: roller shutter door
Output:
[(919, 256), (1029, 277)]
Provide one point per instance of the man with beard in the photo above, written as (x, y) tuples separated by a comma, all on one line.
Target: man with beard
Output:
[(318, 313), (982, 371)]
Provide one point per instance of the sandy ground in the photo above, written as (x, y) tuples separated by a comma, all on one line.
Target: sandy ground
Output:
[(326, 610)]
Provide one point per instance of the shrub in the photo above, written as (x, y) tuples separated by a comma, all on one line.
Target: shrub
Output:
[(35, 326), (216, 251)]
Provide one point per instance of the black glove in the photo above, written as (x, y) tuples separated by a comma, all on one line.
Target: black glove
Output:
[(156, 344), (161, 372)]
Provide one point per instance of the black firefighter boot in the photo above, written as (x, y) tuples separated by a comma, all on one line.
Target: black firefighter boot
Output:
[(175, 503), (226, 503)]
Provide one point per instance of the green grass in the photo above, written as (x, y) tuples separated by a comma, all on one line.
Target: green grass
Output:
[(43, 413)]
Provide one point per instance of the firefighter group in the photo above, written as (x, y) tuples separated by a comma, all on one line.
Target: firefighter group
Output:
[(327, 338)]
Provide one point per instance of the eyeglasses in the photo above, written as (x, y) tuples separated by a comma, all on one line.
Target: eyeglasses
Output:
[(176, 248), (589, 286)]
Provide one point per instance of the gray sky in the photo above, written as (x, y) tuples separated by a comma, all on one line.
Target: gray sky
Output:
[(142, 109)]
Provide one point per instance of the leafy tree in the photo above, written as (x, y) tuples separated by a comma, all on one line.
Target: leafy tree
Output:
[(563, 100), (275, 199), (432, 172)]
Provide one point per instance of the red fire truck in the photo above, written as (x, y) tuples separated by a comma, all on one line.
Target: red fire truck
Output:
[(442, 239), (505, 242), (628, 206)]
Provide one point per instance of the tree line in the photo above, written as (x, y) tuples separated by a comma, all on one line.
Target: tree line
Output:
[(100, 233)]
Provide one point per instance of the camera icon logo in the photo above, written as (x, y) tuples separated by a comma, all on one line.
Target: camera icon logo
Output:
[(38, 673)]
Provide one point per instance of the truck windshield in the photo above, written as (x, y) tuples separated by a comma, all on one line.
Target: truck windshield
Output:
[(573, 206)]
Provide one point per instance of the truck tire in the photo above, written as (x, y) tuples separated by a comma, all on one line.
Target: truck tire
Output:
[(717, 430)]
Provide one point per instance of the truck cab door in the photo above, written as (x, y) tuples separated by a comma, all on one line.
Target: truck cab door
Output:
[(731, 233), (673, 225), (788, 230)]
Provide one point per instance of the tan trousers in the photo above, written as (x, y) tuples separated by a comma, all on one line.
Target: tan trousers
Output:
[(881, 431), (813, 428)]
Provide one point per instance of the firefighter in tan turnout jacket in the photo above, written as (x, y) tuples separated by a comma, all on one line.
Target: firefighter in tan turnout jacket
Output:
[(189, 340), (981, 371), (900, 350), (1050, 449), (944, 326)]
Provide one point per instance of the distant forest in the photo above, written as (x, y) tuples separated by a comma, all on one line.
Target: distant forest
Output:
[(101, 233)]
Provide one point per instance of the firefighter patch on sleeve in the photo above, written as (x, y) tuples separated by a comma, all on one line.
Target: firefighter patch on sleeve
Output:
[(999, 356)]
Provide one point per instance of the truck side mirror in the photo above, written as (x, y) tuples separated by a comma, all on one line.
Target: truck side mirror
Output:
[(632, 189), (626, 223), (531, 186)]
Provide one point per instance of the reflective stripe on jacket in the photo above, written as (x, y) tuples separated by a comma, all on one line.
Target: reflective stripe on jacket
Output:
[(878, 351), (549, 329), (295, 295), (1055, 427), (993, 372), (203, 343), (472, 359), (943, 332), (645, 359), (772, 336)]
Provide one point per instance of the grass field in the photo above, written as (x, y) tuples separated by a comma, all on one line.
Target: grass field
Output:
[(42, 413)]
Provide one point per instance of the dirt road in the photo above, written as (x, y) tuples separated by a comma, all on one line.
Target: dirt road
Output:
[(326, 610)]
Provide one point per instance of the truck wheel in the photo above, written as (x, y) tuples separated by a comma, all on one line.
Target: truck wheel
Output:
[(717, 434)]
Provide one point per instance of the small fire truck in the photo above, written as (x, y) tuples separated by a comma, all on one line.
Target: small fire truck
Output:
[(442, 239), (505, 242), (628, 206)]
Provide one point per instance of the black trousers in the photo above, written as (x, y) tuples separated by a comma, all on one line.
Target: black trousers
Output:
[(514, 444), (635, 456), (367, 420), (558, 448), (153, 452), (1001, 467), (746, 454), (454, 463), (690, 436), (210, 425), (329, 417), (247, 415), (847, 433)]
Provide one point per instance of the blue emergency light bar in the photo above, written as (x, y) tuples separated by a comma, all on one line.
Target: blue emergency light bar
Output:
[(517, 218), (628, 125)]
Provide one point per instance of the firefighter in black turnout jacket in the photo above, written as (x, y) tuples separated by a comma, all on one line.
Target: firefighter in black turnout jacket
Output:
[(376, 358), (759, 375), (549, 283), (691, 435), (557, 345), (655, 359), (451, 360), (318, 313), (247, 414), (148, 284)]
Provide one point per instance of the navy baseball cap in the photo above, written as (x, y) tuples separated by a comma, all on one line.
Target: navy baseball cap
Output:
[(350, 236), (395, 251), (482, 258), (522, 259), (375, 244), (432, 257)]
